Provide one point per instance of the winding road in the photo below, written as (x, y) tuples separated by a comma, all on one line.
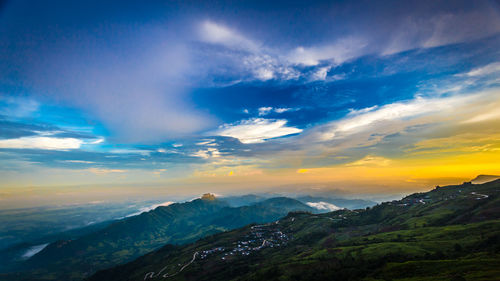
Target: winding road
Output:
[(484, 196), (151, 275)]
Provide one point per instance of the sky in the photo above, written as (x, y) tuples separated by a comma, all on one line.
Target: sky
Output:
[(126, 99)]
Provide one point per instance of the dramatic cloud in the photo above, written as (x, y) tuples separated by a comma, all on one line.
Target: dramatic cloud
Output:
[(257, 130), (209, 93)]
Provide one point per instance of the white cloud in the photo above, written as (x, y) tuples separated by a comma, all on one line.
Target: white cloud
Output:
[(131, 151), (360, 111), (265, 110), (485, 70), (48, 143), (257, 130), (338, 52), (265, 67), (321, 73), (284, 109), (207, 153), (33, 251), (323, 206), (214, 33), (163, 150), (150, 208), (264, 73), (98, 141), (207, 142), (260, 61), (266, 63)]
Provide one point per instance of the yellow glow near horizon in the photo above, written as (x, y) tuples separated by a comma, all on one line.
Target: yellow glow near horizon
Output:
[(379, 174)]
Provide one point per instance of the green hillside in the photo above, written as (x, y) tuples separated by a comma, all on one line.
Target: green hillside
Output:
[(449, 233), (130, 238)]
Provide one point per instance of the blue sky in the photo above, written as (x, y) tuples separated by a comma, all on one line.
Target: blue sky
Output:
[(184, 93)]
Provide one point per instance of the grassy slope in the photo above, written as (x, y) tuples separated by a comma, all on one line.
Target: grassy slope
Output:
[(449, 233)]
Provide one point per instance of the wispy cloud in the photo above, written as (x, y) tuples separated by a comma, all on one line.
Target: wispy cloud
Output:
[(214, 33), (362, 119), (337, 52), (433, 30)]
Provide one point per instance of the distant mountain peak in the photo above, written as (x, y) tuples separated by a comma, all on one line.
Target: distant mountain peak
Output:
[(208, 196), (484, 179)]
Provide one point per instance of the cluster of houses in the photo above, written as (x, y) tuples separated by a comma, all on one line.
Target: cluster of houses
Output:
[(204, 254), (259, 237)]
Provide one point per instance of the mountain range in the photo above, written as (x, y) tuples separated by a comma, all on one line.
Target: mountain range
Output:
[(449, 233)]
